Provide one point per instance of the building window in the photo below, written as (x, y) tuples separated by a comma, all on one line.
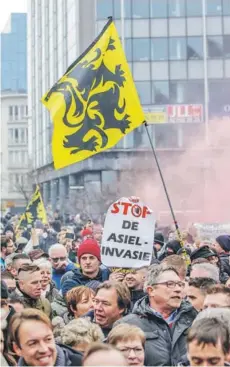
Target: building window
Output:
[(16, 112), (158, 8), (213, 7), (176, 8), (177, 92), (141, 49), (144, 91), (195, 48), (227, 47), (226, 7), (194, 92), (128, 49), (10, 113), (215, 47), (160, 92), (194, 8), (104, 8), (140, 9), (159, 49), (177, 48)]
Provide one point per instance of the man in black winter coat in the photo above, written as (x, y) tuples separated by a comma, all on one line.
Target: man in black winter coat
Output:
[(222, 247), (34, 343), (164, 317)]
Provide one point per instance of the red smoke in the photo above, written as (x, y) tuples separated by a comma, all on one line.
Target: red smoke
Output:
[(197, 178)]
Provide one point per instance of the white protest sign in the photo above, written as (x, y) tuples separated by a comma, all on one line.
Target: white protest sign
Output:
[(128, 234)]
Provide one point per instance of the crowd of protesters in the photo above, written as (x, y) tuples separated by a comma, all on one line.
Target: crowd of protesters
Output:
[(61, 306)]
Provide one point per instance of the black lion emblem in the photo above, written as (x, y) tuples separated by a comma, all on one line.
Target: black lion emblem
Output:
[(92, 97)]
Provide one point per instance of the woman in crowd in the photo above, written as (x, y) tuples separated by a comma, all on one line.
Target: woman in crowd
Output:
[(80, 333), (49, 290), (130, 340), (79, 301)]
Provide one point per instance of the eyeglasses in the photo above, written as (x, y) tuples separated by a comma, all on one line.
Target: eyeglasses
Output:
[(171, 284), (126, 351), (56, 259)]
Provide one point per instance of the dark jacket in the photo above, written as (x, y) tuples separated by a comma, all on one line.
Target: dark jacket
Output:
[(66, 356), (8, 318), (81, 279), (225, 263), (135, 296), (164, 346)]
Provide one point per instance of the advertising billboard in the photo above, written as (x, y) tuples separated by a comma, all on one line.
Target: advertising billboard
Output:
[(185, 113), (181, 113)]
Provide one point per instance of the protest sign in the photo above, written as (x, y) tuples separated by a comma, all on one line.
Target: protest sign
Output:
[(128, 234), (211, 230)]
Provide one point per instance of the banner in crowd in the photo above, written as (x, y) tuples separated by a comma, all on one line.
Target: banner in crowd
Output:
[(211, 230), (95, 103), (34, 211), (128, 234)]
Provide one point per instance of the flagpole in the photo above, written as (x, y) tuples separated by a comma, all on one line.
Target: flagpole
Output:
[(163, 183), (206, 84)]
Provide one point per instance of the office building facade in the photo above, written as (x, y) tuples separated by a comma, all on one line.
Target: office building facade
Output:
[(14, 112), (179, 55)]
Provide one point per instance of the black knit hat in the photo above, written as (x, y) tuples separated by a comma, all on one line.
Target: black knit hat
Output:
[(224, 242), (4, 290), (174, 245), (202, 252), (159, 238)]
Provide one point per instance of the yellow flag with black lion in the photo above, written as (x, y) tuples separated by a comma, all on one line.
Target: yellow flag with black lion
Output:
[(35, 210), (95, 103)]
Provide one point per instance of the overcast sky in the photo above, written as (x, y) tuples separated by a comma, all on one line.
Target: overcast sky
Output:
[(11, 6)]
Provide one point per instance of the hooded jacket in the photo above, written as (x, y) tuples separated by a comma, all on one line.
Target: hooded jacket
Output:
[(164, 346), (79, 278), (66, 356)]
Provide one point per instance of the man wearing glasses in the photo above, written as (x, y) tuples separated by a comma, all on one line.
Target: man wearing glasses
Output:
[(60, 263), (164, 317)]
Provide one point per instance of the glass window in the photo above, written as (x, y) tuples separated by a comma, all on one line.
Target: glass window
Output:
[(226, 7), (10, 113), (16, 135), (144, 92), (16, 112), (227, 46), (194, 8), (141, 49), (104, 8), (194, 48), (194, 92), (158, 8), (213, 7), (160, 92), (128, 49), (159, 49), (215, 47), (177, 48), (166, 136), (22, 114), (176, 8), (140, 9), (117, 9), (177, 92)]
